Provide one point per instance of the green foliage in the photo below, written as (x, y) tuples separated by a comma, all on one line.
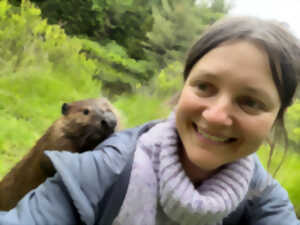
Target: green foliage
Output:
[(128, 23), (36, 46), (219, 6), (40, 68), (114, 68), (176, 26), (140, 108), (293, 125), (28, 43), (125, 21), (152, 101), (287, 176), (168, 82)]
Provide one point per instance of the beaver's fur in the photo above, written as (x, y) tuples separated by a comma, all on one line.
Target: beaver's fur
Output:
[(82, 126)]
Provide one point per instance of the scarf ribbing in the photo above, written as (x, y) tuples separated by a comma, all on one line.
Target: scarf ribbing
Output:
[(168, 185)]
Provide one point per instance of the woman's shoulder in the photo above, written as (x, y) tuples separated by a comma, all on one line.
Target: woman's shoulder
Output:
[(155, 137), (267, 201), (260, 179)]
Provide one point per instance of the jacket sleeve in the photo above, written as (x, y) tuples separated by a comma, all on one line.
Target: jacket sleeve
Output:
[(272, 204), (75, 191)]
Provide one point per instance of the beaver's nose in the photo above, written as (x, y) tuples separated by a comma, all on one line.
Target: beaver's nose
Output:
[(109, 121)]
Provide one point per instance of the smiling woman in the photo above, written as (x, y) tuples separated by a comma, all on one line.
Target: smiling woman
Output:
[(199, 166), (218, 119)]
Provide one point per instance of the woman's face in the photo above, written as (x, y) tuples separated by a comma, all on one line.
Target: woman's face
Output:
[(227, 106)]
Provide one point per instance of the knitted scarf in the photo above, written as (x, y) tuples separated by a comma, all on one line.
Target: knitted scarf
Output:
[(160, 193)]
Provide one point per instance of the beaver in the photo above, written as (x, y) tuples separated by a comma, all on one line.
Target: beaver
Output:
[(82, 126)]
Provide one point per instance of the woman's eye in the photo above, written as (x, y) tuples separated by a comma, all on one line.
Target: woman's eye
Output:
[(206, 88), (203, 86), (251, 105)]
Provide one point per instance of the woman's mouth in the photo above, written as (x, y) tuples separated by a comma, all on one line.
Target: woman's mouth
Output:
[(213, 138)]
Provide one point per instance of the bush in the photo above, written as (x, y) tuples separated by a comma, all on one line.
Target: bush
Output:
[(40, 67), (287, 175), (114, 68), (125, 21), (169, 80)]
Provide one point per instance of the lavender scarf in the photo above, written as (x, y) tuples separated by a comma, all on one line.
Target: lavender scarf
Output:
[(160, 193)]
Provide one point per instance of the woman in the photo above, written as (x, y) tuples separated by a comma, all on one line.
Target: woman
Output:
[(199, 165)]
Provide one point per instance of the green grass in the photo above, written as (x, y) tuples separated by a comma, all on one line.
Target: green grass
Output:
[(288, 174), (137, 109)]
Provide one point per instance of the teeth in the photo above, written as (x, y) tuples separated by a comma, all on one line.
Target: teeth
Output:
[(213, 138)]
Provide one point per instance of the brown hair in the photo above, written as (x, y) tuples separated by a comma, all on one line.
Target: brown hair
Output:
[(281, 47)]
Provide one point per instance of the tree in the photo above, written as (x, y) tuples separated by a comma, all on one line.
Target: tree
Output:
[(124, 21), (176, 25)]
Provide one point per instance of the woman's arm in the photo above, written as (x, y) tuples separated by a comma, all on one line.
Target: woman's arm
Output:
[(272, 205), (76, 193), (50, 203)]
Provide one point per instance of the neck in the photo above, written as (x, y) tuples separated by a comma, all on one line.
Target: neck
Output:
[(194, 172)]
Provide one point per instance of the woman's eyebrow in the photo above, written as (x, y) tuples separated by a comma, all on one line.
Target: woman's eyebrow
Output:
[(259, 92), (208, 75)]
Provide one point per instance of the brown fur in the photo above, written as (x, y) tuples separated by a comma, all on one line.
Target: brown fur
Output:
[(82, 126)]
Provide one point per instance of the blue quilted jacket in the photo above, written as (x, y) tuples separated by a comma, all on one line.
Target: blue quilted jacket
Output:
[(89, 188)]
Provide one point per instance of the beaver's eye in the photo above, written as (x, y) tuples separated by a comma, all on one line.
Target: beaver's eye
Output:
[(86, 112)]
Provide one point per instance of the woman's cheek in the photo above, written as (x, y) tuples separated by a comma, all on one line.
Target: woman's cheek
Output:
[(260, 128)]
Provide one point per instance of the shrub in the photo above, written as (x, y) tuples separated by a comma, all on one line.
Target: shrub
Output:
[(40, 67), (114, 68)]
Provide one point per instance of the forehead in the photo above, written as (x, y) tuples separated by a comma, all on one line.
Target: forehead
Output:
[(235, 57), (240, 63)]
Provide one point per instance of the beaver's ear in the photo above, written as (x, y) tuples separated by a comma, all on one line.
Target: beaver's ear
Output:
[(65, 108)]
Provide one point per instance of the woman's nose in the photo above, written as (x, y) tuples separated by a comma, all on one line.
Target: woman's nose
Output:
[(218, 113)]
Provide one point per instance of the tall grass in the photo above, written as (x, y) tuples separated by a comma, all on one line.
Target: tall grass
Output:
[(137, 109), (288, 174)]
